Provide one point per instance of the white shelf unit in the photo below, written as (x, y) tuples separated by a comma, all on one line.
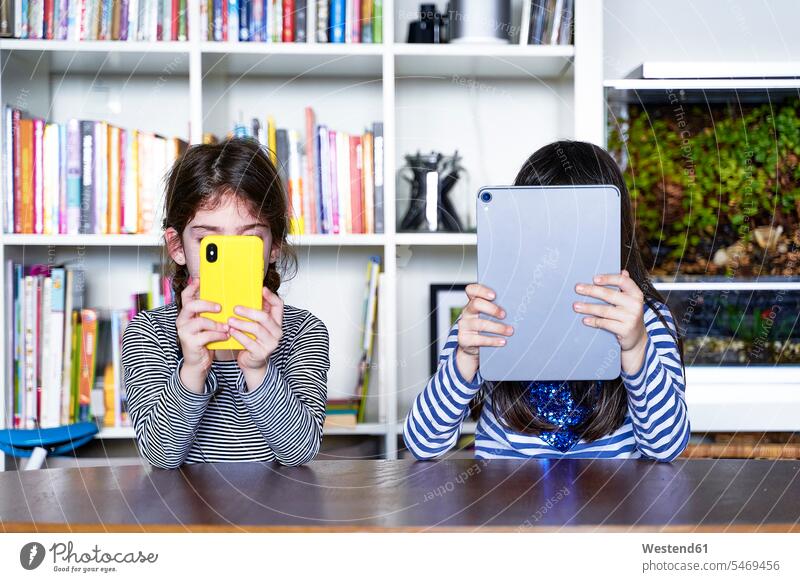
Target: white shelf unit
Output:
[(473, 98)]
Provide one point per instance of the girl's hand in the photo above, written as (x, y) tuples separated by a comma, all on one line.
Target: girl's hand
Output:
[(471, 328), (266, 326), (194, 332), (624, 317)]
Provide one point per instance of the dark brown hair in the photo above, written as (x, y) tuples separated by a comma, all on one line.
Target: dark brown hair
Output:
[(204, 174), (565, 163)]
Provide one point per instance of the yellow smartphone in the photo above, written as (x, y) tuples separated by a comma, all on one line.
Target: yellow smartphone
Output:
[(231, 274)]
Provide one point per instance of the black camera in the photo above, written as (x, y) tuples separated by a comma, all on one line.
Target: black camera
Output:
[(486, 196), (211, 253)]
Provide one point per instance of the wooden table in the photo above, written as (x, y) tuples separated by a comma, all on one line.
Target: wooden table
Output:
[(464, 494)]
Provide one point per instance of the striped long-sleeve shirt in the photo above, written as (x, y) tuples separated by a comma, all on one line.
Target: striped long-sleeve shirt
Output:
[(656, 424), (280, 420)]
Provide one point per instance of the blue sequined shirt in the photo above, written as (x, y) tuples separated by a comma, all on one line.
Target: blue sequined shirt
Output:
[(553, 403)]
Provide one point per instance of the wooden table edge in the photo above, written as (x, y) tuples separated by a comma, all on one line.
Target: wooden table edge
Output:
[(26, 527)]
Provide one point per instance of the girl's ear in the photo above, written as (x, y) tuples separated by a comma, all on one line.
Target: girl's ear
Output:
[(175, 246), (274, 253)]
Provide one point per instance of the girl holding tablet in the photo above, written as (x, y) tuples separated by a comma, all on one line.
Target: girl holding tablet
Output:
[(641, 414), (189, 404)]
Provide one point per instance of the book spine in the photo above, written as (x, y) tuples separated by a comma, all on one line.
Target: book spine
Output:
[(63, 19), (377, 161), (338, 21), (46, 356), (288, 21), (87, 223), (323, 24), (334, 181), (311, 189), (356, 193), (38, 176), (49, 16), (54, 397), (62, 179), (323, 177), (31, 328), (50, 179), (343, 172), (73, 176), (300, 18), (277, 20), (296, 184), (8, 168), (124, 15), (114, 161), (131, 198), (100, 209), (377, 21), (355, 23), (87, 363), (244, 20), (17, 161), (368, 183), (366, 21), (106, 21)]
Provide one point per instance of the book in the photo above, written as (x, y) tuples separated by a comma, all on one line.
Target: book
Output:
[(333, 179), (122, 20), (369, 318), (83, 176), (67, 356)]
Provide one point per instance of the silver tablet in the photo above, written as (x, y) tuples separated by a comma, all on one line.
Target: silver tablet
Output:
[(535, 243)]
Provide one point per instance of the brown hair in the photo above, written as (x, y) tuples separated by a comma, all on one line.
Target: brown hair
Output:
[(203, 175), (564, 163)]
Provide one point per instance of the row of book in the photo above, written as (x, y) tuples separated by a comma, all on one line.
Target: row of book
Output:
[(333, 21), (323, 21), (547, 22), (145, 20), (67, 356), (83, 176), (347, 412), (334, 180)]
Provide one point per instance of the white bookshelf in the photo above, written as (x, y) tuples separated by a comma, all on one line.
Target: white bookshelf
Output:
[(524, 97)]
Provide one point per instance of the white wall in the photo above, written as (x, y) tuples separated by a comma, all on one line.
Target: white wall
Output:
[(698, 30)]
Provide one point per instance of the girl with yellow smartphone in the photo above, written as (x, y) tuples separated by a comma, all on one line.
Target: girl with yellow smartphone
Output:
[(190, 403)]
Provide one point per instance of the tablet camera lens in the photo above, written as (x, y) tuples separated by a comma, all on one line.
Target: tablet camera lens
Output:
[(486, 197), (211, 253)]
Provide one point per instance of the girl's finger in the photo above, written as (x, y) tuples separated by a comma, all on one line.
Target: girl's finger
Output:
[(252, 327), (276, 306), (264, 333), (197, 306), (259, 317), (475, 324), (474, 290), (249, 344), (614, 327), (623, 281), (611, 296), (476, 340), (601, 310), (191, 290), (480, 305), (205, 337), (202, 323)]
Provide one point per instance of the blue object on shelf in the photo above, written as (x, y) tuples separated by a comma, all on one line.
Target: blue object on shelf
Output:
[(59, 440)]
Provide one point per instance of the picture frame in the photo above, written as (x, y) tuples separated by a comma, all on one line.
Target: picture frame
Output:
[(447, 301)]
